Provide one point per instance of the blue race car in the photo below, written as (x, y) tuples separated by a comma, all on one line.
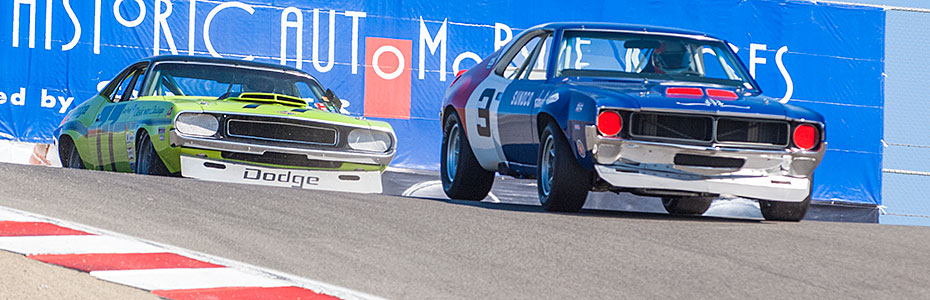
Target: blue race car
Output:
[(651, 111)]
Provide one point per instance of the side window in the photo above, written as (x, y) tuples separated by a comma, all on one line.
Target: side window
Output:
[(137, 89), (541, 62), (518, 59), (121, 86), (129, 86)]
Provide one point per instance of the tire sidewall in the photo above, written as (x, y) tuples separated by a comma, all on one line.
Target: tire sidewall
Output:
[(448, 124)]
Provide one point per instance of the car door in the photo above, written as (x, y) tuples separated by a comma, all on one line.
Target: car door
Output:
[(515, 115), (482, 109), (105, 132)]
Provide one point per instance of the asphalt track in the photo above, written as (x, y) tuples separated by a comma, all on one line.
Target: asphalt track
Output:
[(416, 248)]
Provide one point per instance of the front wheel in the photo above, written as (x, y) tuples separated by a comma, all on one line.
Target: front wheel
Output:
[(562, 182), (70, 157), (462, 177), (686, 206), (147, 160)]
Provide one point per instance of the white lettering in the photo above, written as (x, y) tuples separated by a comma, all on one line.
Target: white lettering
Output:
[(19, 99), (48, 101), (209, 20), (65, 103), (578, 64), (508, 33), (734, 47), (191, 24), (401, 63), (123, 21), (161, 25), (97, 27), (77, 27), (784, 73), (2, 98), (433, 43), (754, 59), (102, 85), (456, 64), (32, 22), (299, 25), (316, 41), (355, 15), (48, 24)]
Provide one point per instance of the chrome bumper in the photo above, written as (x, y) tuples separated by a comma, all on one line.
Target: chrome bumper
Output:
[(780, 175), (382, 159)]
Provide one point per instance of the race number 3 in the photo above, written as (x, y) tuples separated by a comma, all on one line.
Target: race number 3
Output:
[(484, 112)]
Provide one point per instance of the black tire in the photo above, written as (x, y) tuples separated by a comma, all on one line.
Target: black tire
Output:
[(784, 211), (462, 177), (562, 182), (686, 206), (147, 160), (70, 158)]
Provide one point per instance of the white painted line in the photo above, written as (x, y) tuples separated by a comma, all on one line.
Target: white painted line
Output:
[(11, 216), (74, 244), (177, 279)]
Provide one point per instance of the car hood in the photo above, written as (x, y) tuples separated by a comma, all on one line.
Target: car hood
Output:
[(654, 96)]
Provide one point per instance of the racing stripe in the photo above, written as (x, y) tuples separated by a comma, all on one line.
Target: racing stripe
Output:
[(112, 159), (99, 152)]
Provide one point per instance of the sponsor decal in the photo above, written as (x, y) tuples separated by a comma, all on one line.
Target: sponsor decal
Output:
[(388, 78), (270, 176), (161, 134), (130, 145), (521, 98)]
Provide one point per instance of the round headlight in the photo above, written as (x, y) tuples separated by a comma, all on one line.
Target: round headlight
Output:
[(197, 124), (369, 140)]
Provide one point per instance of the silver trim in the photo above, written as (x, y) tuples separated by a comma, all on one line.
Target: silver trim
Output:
[(220, 145), (334, 131)]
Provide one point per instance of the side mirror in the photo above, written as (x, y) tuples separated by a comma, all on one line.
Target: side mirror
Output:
[(333, 99)]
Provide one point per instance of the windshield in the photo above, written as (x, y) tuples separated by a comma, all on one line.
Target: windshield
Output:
[(186, 79), (614, 54)]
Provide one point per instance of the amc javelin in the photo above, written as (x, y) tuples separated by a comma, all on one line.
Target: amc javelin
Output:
[(651, 111), (226, 120)]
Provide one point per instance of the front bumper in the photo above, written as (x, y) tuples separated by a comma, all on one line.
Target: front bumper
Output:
[(336, 180), (381, 159), (779, 175)]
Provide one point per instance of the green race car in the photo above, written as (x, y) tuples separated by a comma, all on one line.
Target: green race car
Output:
[(226, 120)]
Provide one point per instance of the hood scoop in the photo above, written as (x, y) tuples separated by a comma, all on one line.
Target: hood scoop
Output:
[(271, 99)]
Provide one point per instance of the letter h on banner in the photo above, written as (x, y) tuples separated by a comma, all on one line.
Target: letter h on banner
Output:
[(388, 77)]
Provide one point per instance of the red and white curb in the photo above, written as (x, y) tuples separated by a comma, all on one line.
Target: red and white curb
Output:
[(166, 271)]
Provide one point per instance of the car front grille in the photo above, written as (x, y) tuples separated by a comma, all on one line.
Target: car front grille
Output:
[(752, 132), (283, 131), (705, 130), (673, 127)]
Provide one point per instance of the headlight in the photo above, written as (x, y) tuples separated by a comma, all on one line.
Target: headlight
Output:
[(197, 124), (369, 140)]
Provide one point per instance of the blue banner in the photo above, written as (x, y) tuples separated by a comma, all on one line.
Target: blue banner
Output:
[(54, 54)]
